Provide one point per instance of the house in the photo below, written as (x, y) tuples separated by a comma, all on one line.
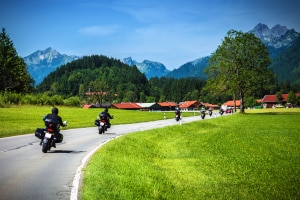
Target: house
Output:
[(167, 106), (149, 106), (127, 106), (189, 105), (231, 103), (270, 101)]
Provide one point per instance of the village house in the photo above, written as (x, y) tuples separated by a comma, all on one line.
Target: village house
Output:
[(189, 105), (271, 101), (167, 106), (149, 106), (127, 106)]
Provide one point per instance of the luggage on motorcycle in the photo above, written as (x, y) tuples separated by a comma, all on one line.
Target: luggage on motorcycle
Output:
[(58, 137), (39, 133), (97, 122)]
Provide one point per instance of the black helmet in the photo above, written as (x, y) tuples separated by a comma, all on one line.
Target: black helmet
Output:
[(54, 111), (105, 109)]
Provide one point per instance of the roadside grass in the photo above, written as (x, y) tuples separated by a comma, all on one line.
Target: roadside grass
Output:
[(251, 156), (19, 120)]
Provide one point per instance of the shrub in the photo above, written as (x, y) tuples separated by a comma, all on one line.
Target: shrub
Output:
[(72, 101)]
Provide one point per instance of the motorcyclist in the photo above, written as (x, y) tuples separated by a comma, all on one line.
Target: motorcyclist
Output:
[(177, 114), (107, 116), (57, 120), (210, 111), (202, 110)]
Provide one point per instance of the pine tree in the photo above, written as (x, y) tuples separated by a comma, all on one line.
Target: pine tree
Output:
[(13, 70)]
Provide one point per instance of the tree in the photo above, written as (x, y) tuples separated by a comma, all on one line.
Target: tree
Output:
[(13, 70), (100, 89), (292, 98), (279, 97), (239, 67)]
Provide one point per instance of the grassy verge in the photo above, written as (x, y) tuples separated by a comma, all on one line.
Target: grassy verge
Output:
[(25, 119), (251, 156)]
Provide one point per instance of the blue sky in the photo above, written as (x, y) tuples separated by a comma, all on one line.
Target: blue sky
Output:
[(172, 32)]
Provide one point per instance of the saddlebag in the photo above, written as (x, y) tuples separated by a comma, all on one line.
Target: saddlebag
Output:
[(39, 133), (58, 137), (97, 122)]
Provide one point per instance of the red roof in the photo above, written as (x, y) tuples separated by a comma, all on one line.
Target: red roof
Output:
[(210, 105), (167, 104), (87, 106), (127, 106), (188, 104), (231, 103), (273, 99)]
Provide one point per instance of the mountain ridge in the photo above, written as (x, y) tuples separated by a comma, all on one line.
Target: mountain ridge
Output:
[(149, 68), (42, 62), (277, 39)]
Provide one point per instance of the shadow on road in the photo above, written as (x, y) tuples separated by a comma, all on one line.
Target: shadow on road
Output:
[(65, 151)]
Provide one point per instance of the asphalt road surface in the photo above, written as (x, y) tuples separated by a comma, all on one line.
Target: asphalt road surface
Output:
[(28, 173)]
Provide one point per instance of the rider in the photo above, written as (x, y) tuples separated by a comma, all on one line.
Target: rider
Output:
[(57, 120), (177, 112), (202, 110), (106, 115)]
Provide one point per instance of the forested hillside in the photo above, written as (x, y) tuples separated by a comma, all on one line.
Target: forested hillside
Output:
[(94, 74), (287, 64), (110, 80), (191, 69)]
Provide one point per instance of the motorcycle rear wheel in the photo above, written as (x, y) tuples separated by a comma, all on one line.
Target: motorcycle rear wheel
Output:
[(101, 129), (45, 147)]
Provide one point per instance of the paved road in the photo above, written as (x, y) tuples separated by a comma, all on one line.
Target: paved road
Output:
[(27, 173)]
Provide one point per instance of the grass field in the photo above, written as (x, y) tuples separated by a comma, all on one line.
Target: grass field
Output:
[(251, 156), (25, 119)]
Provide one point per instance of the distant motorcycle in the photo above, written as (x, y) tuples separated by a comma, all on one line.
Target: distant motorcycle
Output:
[(202, 114), (177, 115), (210, 113), (221, 111), (102, 124), (48, 135)]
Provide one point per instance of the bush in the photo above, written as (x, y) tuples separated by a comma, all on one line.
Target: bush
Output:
[(72, 101)]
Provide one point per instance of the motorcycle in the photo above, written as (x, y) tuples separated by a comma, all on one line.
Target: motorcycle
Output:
[(48, 135), (177, 115), (203, 114), (221, 111), (102, 124), (210, 113)]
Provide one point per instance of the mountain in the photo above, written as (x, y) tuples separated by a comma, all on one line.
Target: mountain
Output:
[(277, 39), (41, 63), (190, 69), (281, 43), (149, 68), (286, 65)]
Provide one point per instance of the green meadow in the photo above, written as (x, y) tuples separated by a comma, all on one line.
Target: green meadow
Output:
[(19, 120), (250, 156)]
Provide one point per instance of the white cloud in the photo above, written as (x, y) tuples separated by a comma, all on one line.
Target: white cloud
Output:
[(99, 30)]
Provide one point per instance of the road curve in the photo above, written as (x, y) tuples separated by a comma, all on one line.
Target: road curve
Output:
[(27, 173)]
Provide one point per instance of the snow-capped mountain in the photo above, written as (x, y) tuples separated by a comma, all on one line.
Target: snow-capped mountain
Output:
[(276, 39), (149, 68), (41, 63)]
